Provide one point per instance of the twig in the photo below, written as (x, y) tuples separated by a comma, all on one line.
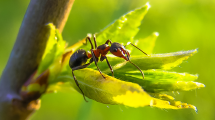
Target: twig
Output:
[(27, 53)]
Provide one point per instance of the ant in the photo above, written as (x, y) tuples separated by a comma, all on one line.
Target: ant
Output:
[(79, 58)]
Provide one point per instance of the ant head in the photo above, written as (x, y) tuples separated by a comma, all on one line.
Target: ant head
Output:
[(119, 50)]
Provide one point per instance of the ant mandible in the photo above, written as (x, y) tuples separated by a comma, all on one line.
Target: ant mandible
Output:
[(79, 58)]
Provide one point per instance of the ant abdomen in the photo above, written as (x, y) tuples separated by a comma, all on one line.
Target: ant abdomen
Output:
[(78, 58)]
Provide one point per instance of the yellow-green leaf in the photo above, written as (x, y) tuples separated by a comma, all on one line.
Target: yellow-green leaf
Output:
[(146, 44), (160, 81), (114, 91), (53, 52), (156, 61), (125, 28)]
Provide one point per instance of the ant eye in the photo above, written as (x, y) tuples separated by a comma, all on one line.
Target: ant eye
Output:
[(115, 49)]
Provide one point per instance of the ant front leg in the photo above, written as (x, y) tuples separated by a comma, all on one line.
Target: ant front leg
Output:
[(104, 57), (77, 68)]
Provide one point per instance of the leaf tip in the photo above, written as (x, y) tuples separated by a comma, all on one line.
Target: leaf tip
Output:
[(50, 25), (185, 105), (148, 5), (193, 107), (156, 34), (194, 51), (199, 85)]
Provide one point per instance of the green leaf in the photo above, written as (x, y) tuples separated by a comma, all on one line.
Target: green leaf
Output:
[(49, 54), (60, 45), (125, 28), (53, 52), (146, 44), (161, 81), (49, 67), (169, 102), (157, 61), (114, 91)]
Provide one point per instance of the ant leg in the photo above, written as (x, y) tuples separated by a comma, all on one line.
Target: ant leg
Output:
[(88, 38), (137, 68), (104, 57), (88, 35), (94, 59), (94, 37), (77, 68), (108, 41), (136, 47), (111, 69), (78, 86)]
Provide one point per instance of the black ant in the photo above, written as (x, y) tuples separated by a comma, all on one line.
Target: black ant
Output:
[(79, 58)]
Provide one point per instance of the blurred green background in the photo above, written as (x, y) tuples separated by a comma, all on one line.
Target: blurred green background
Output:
[(182, 25)]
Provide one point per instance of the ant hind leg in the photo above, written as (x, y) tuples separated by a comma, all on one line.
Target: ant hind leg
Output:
[(79, 86), (76, 82)]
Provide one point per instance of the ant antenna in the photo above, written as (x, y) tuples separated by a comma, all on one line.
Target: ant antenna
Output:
[(137, 68), (136, 47)]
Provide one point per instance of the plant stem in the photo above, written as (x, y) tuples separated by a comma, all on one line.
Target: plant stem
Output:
[(27, 53)]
